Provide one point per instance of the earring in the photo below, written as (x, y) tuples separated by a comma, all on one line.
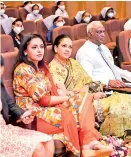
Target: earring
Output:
[(25, 53)]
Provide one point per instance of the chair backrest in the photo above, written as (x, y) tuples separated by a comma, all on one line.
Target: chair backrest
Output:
[(95, 18), (45, 11), (12, 12), (76, 45), (23, 13), (70, 21), (41, 29), (7, 44), (107, 38), (80, 31), (122, 22), (49, 54), (62, 30), (53, 9), (113, 29), (10, 59), (29, 27), (123, 45)]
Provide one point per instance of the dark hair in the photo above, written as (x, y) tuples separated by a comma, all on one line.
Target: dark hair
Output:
[(26, 2), (58, 3), (2, 63), (23, 47), (58, 40), (18, 19), (56, 19), (34, 6)]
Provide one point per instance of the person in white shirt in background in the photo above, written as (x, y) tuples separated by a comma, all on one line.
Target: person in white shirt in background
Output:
[(98, 62), (93, 62), (107, 13), (34, 15), (60, 9), (127, 25), (3, 16), (83, 17)]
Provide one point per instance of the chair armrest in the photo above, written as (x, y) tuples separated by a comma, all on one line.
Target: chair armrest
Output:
[(125, 63), (126, 66)]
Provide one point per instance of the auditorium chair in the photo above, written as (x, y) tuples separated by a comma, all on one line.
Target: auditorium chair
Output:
[(12, 12), (23, 13), (70, 21), (62, 30), (29, 27), (76, 45), (110, 44), (80, 31), (45, 11), (7, 44), (123, 47), (53, 9), (95, 18), (113, 29), (42, 29), (122, 22)]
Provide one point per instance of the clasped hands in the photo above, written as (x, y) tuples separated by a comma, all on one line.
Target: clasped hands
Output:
[(62, 91), (116, 84), (27, 117)]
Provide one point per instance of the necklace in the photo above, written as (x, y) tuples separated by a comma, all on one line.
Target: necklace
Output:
[(64, 64)]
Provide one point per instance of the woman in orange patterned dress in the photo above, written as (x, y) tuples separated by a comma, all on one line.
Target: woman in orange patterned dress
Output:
[(16, 141), (34, 88)]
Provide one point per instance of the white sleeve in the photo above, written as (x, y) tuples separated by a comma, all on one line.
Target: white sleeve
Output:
[(127, 25), (57, 12), (28, 17), (124, 73), (85, 61), (66, 14)]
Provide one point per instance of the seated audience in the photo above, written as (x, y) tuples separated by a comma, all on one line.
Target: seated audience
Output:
[(127, 25), (51, 23), (34, 87), (34, 15), (107, 13), (2, 11), (97, 61), (68, 73), (60, 9), (17, 28), (83, 17), (16, 141)]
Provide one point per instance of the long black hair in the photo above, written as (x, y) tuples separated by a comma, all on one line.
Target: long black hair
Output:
[(58, 3), (23, 47), (58, 40)]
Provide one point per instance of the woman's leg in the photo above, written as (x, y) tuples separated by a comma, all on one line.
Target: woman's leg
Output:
[(88, 135), (49, 148), (44, 149)]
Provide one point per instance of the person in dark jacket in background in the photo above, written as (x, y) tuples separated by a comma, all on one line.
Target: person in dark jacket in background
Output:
[(17, 28)]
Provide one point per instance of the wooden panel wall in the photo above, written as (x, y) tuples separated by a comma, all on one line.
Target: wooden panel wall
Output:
[(123, 8)]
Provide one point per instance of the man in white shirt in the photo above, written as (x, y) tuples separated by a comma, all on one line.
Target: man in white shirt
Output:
[(97, 60)]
